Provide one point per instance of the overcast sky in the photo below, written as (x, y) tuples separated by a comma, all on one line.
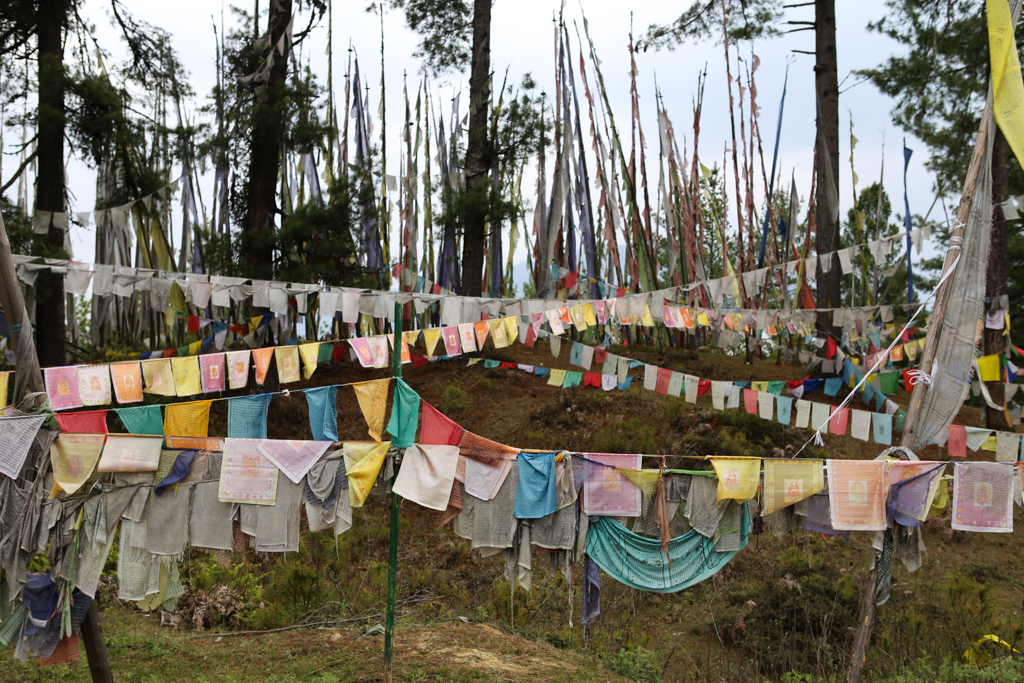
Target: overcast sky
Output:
[(522, 40)]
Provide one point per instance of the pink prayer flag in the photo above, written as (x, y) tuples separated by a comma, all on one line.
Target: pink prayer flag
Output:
[(856, 490), (62, 388), (211, 368), (750, 401), (983, 497), (664, 377), (451, 340), (602, 317), (606, 491), (957, 442), (837, 423), (362, 348)]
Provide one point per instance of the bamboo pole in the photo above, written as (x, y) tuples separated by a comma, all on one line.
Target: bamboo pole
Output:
[(389, 624)]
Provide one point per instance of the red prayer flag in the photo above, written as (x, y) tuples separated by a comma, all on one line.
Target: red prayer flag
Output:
[(957, 442), (703, 386), (664, 377)]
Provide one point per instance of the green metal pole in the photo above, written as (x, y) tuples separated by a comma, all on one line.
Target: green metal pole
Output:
[(389, 626)]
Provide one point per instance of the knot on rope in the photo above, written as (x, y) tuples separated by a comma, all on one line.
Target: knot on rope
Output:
[(915, 376), (818, 441)]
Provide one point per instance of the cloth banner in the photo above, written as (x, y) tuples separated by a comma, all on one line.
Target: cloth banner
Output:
[(912, 487), (14, 447), (882, 426), (789, 481), (188, 419), (857, 490), (62, 387), (134, 453), (738, 478), (606, 491), (983, 497), (93, 385), (246, 475), (238, 368), (765, 405), (750, 400), (373, 399), (247, 416), (142, 419), (405, 414), (74, 457), (186, 376), (294, 458), (537, 492), (127, 378), (287, 358), (261, 358), (211, 367), (427, 475), (438, 429), (158, 377), (785, 409), (323, 412), (363, 461), (88, 422), (309, 353)]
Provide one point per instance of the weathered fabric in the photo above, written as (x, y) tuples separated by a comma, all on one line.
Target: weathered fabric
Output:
[(787, 482), (188, 419), (16, 437), (857, 490), (277, 526), (247, 416), (536, 493), (323, 412), (142, 419), (294, 458), (209, 524), (489, 524), (246, 475), (427, 475), (607, 491), (983, 497), (130, 454), (738, 478)]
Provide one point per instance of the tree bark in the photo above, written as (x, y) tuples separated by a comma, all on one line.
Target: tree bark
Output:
[(50, 180), (265, 152), (477, 155), (995, 277), (826, 78)]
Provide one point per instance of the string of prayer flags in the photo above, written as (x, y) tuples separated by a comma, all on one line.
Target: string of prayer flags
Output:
[(261, 359), (287, 358), (323, 412), (142, 419), (789, 481), (187, 419), (186, 376), (135, 453), (738, 478), (16, 436), (373, 399), (363, 461), (427, 475), (93, 385), (87, 422), (211, 367), (62, 387), (247, 416), (73, 458), (127, 382), (294, 458), (246, 475), (158, 377), (856, 491), (309, 353), (606, 491), (983, 497)]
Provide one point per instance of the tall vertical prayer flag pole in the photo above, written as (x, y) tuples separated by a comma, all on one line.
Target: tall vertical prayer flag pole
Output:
[(389, 624), (907, 223)]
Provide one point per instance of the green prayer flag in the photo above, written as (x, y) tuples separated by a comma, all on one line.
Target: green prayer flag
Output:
[(901, 419), (405, 415), (776, 388), (323, 354), (488, 363), (572, 379), (889, 382)]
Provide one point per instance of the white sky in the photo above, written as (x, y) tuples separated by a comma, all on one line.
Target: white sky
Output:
[(522, 40)]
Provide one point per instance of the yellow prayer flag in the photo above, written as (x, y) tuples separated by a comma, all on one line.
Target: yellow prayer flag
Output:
[(309, 353), (186, 376), (789, 481), (1007, 85), (511, 329), (431, 336), (703, 320), (589, 315), (989, 444), (988, 368), (759, 386), (411, 337), (578, 319), (187, 419), (74, 457), (737, 477), (4, 377), (498, 335), (287, 358), (373, 401), (158, 376), (362, 465), (647, 320), (557, 378)]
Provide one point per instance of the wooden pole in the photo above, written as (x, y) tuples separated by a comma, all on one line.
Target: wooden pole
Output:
[(95, 647), (389, 624)]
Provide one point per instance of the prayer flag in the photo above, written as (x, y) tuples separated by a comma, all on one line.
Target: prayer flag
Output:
[(93, 385), (738, 478), (188, 419), (983, 497), (246, 475), (130, 453), (363, 461), (373, 399), (309, 354), (62, 387), (789, 481), (287, 358), (73, 458), (247, 416), (261, 359), (856, 492), (294, 458), (427, 475), (158, 376), (323, 412), (186, 376), (211, 366), (238, 368)]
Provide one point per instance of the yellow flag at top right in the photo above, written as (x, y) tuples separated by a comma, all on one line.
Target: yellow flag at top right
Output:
[(1007, 85)]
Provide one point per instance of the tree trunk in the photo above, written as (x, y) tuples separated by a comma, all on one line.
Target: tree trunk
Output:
[(826, 78), (995, 277), (50, 180), (477, 161), (265, 152)]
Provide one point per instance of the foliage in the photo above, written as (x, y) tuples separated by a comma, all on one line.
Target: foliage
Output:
[(637, 664), (747, 20), (455, 400), (445, 30)]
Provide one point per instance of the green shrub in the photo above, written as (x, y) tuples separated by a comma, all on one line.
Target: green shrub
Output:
[(637, 664)]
